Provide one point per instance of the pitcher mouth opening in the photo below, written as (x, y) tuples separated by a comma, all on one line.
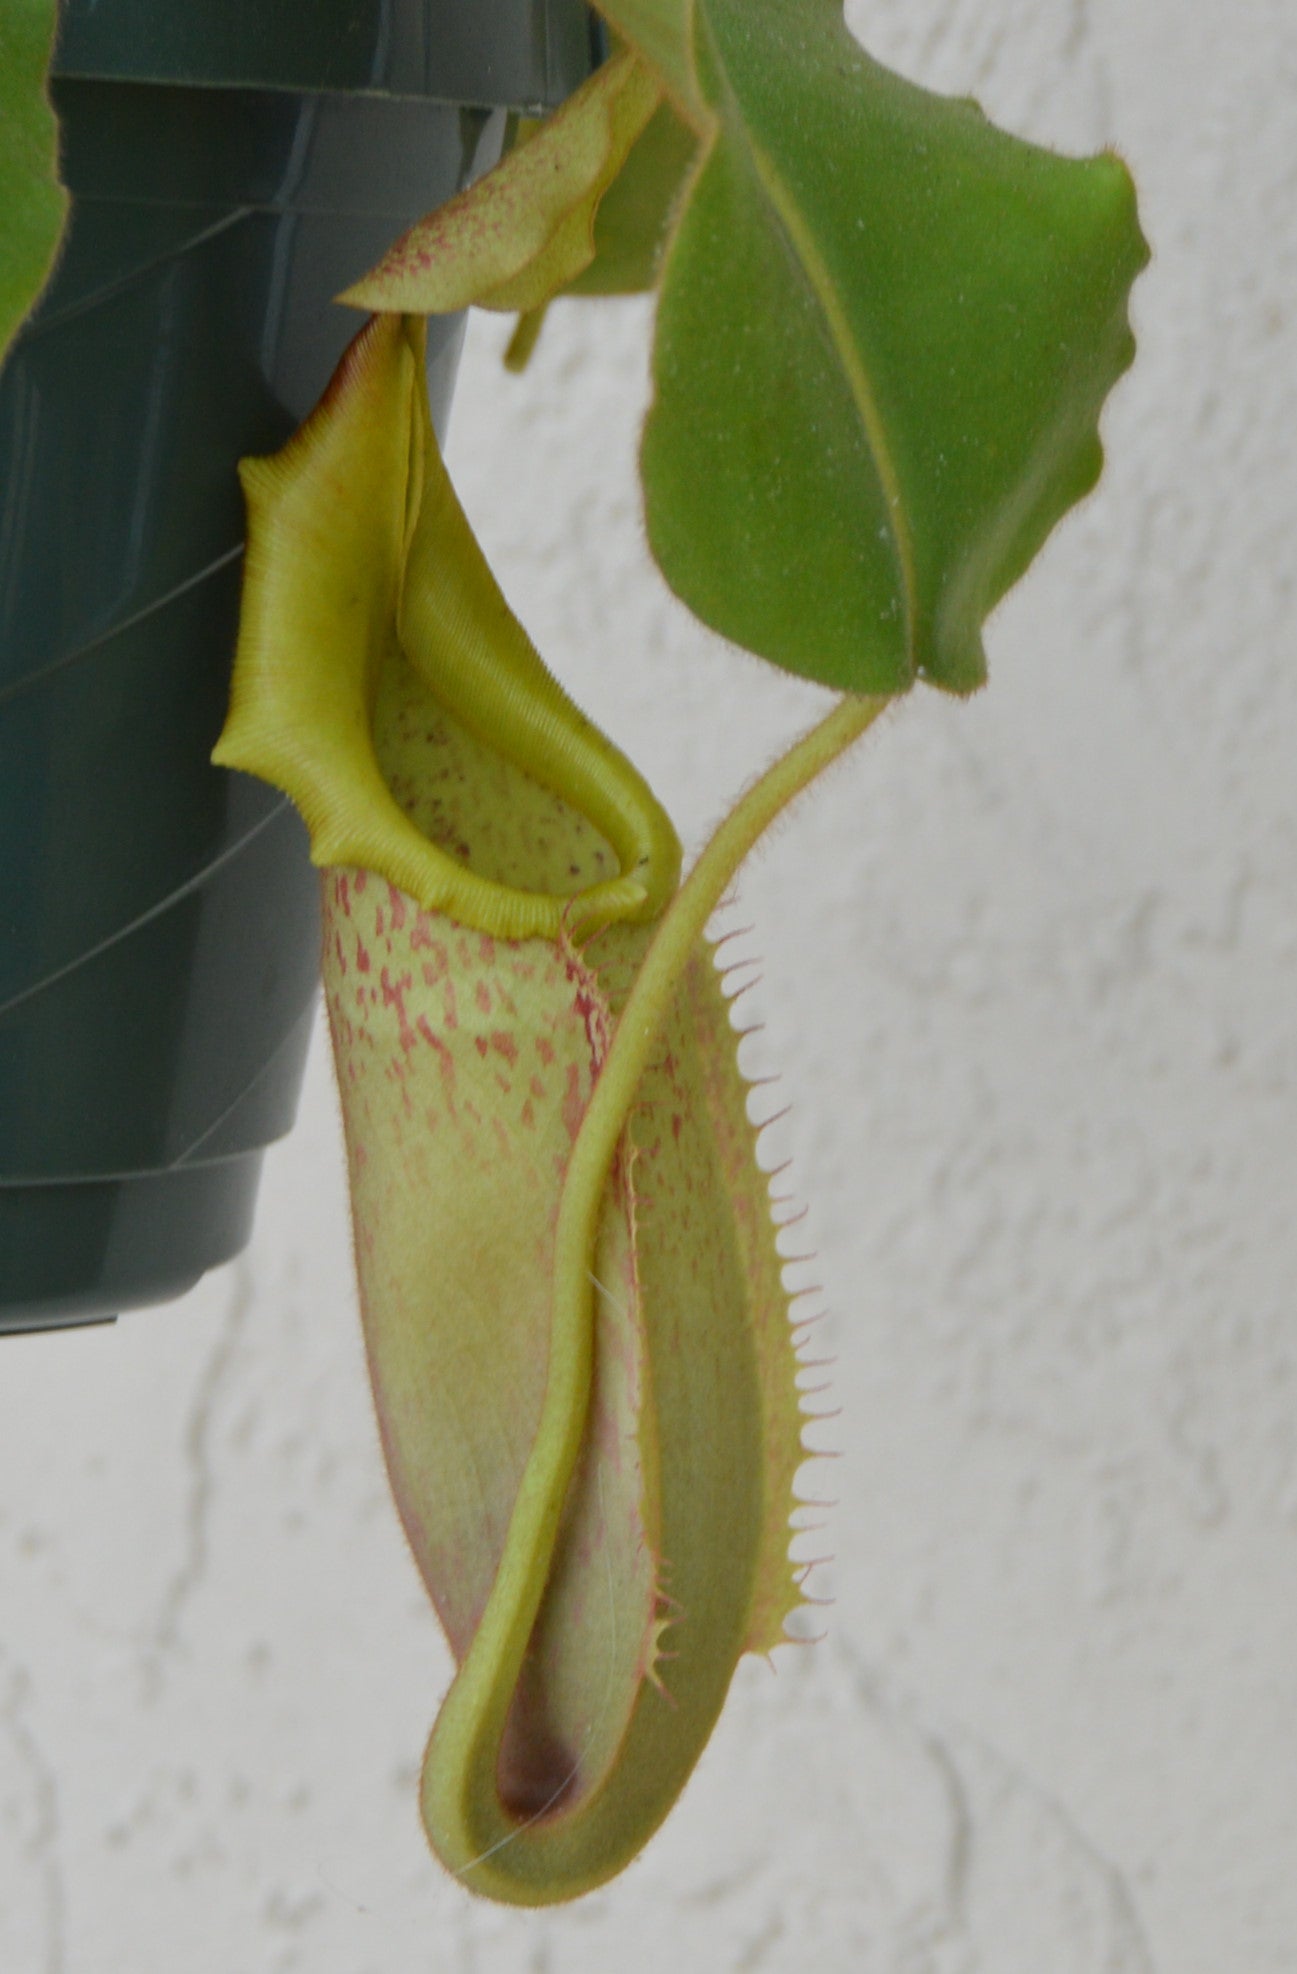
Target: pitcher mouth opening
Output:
[(373, 635)]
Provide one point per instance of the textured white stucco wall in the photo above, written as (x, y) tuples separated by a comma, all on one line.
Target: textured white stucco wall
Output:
[(1029, 970)]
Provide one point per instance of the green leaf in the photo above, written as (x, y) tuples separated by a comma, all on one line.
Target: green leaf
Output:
[(523, 231), (885, 334), (32, 203)]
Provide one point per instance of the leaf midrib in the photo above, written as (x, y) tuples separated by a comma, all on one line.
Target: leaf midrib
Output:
[(806, 256)]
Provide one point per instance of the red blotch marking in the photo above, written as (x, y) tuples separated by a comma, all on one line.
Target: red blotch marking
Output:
[(486, 949), (573, 1107), (445, 1060), (504, 1045), (528, 1116), (537, 1089), (397, 903), (482, 995), (545, 1050), (481, 1044), (421, 935), (362, 879), (378, 923), (362, 956), (337, 947), (394, 993), (344, 895), (677, 1125)]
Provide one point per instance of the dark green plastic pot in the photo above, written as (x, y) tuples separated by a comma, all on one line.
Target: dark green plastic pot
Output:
[(232, 164)]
